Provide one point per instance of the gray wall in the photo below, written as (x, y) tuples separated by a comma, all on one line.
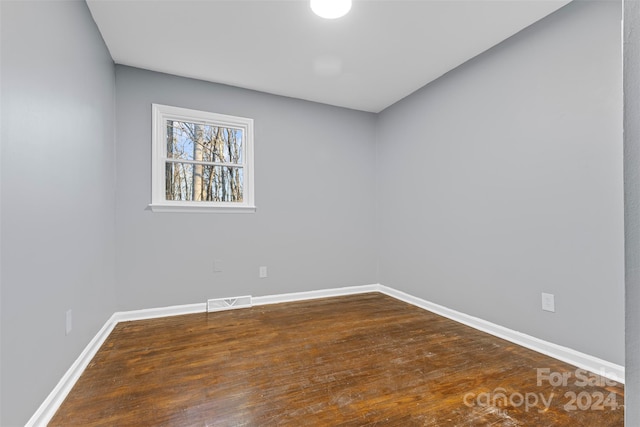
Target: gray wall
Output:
[(313, 229), (58, 195), (632, 208), (503, 179)]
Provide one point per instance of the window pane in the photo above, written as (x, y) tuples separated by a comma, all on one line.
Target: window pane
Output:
[(192, 141), (206, 183)]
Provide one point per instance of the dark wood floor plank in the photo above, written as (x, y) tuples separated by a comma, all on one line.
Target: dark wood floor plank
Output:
[(359, 360)]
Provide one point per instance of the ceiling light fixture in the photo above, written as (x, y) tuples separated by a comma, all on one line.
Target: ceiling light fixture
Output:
[(331, 9)]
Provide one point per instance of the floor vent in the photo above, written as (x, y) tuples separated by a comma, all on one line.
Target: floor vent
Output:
[(219, 304)]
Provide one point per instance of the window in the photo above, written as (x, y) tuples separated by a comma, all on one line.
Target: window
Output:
[(202, 162)]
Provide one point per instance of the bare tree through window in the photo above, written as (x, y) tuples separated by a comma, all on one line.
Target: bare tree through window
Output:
[(204, 162)]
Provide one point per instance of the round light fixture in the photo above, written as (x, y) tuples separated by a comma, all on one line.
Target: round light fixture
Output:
[(331, 9)]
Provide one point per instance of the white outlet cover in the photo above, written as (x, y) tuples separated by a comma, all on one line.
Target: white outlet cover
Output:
[(263, 272), (548, 302), (69, 322)]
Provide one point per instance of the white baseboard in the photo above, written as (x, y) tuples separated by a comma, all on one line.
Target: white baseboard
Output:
[(324, 293), (576, 358), (48, 408), (153, 313)]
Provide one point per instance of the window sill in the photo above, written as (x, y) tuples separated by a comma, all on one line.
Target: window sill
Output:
[(202, 209)]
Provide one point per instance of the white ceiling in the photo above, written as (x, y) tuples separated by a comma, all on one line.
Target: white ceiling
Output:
[(382, 51)]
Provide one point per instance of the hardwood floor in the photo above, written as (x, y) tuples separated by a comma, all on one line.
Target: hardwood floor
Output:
[(346, 361)]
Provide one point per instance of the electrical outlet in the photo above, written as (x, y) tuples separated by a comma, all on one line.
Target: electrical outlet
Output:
[(217, 266), (69, 322), (548, 302), (263, 272)]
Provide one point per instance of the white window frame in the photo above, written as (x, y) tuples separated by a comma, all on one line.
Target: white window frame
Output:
[(160, 115)]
